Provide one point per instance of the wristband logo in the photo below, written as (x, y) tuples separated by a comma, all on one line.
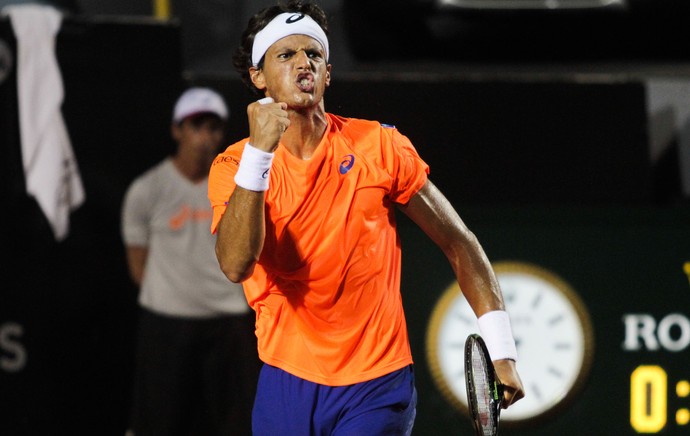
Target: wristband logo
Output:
[(264, 175), (347, 163)]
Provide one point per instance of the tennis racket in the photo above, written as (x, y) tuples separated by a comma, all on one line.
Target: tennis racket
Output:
[(484, 390)]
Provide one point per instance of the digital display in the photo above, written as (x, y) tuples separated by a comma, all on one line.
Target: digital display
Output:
[(649, 394), (659, 393)]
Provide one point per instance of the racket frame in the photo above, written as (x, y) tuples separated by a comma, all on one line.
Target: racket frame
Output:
[(495, 386)]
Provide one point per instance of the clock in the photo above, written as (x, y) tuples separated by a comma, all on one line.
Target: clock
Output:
[(553, 335)]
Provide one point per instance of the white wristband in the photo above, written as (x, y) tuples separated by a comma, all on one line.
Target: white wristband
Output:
[(255, 165), (494, 327)]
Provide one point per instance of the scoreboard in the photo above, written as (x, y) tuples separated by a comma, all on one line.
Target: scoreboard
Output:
[(610, 354)]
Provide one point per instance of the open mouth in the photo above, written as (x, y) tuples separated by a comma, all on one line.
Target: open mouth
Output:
[(305, 82)]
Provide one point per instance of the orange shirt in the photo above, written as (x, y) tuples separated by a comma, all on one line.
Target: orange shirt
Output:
[(326, 288)]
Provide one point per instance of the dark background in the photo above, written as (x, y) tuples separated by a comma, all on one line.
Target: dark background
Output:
[(571, 161)]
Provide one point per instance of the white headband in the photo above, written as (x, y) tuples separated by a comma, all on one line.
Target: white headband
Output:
[(286, 24)]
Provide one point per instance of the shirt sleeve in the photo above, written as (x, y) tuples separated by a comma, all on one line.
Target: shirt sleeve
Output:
[(221, 181), (135, 225), (408, 170)]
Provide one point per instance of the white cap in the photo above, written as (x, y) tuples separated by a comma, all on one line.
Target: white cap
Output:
[(199, 100)]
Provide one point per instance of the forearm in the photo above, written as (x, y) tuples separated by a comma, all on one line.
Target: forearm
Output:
[(241, 233), (474, 273), (136, 262)]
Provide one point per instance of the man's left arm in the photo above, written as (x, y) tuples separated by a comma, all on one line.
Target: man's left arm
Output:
[(434, 214)]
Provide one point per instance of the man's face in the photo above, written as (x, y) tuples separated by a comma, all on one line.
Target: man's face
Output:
[(294, 71), (202, 133)]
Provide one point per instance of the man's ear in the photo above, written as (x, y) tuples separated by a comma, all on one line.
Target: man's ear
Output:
[(257, 77)]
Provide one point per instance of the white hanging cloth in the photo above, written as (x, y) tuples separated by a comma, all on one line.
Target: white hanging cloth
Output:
[(51, 171)]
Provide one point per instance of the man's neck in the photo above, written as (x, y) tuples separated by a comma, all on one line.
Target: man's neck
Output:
[(305, 132)]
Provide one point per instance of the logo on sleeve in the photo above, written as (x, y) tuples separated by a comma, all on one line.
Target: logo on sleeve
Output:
[(347, 163)]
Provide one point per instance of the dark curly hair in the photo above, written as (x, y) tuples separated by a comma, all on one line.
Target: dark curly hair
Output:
[(242, 58)]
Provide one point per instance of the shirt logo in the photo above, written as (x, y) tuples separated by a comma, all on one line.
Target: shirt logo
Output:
[(294, 18), (347, 163), (186, 214)]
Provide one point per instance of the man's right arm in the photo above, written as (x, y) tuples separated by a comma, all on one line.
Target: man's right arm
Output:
[(242, 229), (136, 262), (240, 234)]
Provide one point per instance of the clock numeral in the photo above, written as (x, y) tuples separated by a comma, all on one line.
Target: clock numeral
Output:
[(555, 320), (465, 319), (536, 392), (456, 345), (536, 301), (555, 372)]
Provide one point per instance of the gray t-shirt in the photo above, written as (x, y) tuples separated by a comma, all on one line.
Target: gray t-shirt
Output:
[(171, 216)]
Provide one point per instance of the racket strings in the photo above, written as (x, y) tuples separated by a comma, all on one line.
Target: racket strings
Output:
[(484, 389)]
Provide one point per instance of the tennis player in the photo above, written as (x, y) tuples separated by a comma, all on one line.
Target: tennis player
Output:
[(304, 211)]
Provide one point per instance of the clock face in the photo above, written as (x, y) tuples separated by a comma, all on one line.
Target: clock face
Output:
[(552, 331)]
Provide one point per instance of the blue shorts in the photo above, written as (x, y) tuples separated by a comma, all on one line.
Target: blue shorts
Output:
[(289, 405)]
